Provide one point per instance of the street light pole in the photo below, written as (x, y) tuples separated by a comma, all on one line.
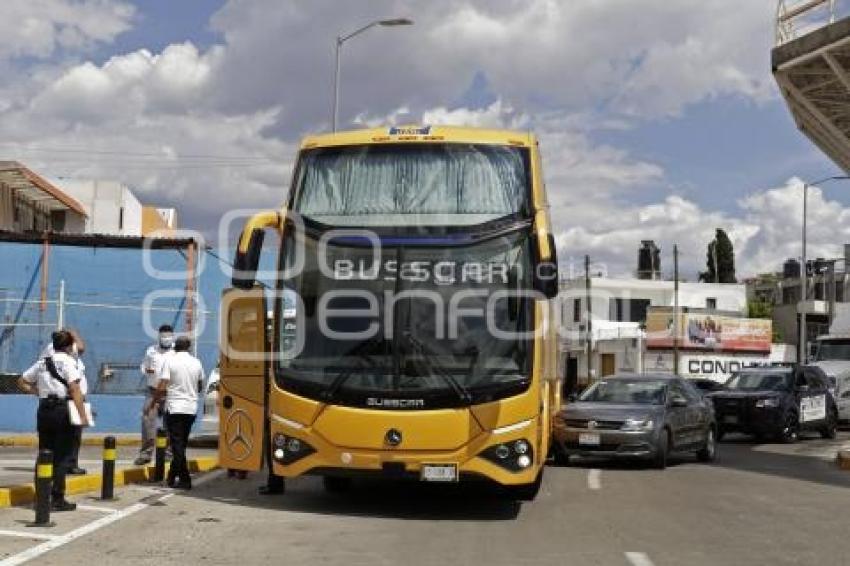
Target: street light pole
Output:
[(340, 39), (803, 346)]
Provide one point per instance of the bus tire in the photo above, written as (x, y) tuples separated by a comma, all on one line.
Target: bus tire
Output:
[(336, 484), (526, 491)]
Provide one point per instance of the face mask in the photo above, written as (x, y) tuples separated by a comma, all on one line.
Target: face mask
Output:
[(166, 341)]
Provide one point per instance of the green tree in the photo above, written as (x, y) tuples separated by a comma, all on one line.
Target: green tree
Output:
[(720, 260), (760, 309)]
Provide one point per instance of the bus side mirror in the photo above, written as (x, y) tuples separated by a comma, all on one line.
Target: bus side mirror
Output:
[(546, 270), (247, 261)]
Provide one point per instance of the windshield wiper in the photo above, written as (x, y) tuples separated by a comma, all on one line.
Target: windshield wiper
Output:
[(362, 351), (428, 359)]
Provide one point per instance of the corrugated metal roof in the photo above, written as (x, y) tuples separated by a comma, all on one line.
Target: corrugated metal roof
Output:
[(35, 188)]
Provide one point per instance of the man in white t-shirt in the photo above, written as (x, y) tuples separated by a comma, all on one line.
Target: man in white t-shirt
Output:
[(178, 389), (151, 367)]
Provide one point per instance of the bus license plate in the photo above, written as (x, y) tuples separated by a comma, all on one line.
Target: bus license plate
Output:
[(439, 472), (586, 439)]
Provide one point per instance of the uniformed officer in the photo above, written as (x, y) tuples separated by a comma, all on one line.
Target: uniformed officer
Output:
[(54, 387), (75, 469), (178, 389), (151, 367)]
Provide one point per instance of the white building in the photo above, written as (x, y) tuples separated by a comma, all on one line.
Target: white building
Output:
[(111, 206), (618, 314)]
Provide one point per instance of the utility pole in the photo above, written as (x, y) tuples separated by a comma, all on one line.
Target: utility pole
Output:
[(588, 325), (676, 309), (804, 276)]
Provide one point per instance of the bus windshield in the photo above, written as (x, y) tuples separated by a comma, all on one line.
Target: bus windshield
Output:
[(433, 184), (434, 326)]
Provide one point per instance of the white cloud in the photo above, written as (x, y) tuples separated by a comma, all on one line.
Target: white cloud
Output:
[(39, 28), (563, 69)]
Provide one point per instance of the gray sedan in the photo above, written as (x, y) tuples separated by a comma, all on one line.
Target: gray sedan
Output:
[(637, 416)]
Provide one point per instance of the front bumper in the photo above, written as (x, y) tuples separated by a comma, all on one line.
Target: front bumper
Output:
[(612, 443), (752, 420), (391, 463)]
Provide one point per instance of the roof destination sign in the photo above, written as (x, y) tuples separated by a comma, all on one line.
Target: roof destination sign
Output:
[(410, 130)]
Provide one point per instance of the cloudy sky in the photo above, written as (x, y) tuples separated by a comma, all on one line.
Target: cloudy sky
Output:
[(658, 119)]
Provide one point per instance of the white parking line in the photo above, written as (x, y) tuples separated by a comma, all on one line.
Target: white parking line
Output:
[(30, 535), (594, 479), (61, 540), (638, 559)]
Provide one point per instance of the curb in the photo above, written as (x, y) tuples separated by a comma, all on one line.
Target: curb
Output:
[(25, 493), (31, 440), (843, 459)]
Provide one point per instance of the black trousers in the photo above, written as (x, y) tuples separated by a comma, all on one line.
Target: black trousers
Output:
[(56, 433), (75, 450), (179, 426)]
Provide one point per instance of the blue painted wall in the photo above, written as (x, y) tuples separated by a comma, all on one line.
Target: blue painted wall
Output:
[(114, 333)]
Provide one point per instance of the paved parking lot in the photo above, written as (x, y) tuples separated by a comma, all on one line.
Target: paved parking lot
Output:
[(760, 504)]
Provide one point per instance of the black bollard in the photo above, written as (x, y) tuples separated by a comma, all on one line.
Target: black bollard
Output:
[(43, 487), (107, 486), (159, 456)]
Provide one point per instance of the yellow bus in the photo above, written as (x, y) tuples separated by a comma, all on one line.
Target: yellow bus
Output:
[(413, 330)]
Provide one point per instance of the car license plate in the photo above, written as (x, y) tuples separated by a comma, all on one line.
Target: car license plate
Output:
[(586, 439), (730, 419), (439, 472)]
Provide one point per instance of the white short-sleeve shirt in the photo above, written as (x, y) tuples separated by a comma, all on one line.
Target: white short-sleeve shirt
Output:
[(81, 367), (154, 361), (46, 384), (182, 371)]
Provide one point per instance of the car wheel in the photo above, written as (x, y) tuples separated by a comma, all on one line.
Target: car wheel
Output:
[(790, 429), (336, 484), (709, 452), (526, 491), (663, 451), (829, 431)]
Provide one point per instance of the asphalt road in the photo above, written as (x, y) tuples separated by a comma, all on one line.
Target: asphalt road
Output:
[(760, 504)]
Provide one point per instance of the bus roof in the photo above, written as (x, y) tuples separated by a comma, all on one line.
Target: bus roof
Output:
[(420, 134)]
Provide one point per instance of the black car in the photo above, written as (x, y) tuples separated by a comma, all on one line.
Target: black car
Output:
[(777, 402), (706, 385)]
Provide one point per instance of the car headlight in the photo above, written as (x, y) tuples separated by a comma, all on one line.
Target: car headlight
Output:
[(637, 425), (768, 403), (288, 449), (515, 456)]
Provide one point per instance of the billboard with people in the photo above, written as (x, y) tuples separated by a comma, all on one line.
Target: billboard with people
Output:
[(701, 331)]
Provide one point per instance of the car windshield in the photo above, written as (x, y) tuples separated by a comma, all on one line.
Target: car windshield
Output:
[(434, 184), (626, 391), (833, 350), (760, 381)]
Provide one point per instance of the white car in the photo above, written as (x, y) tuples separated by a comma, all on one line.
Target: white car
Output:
[(207, 428)]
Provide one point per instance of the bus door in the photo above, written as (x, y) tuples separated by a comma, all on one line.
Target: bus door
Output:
[(243, 388)]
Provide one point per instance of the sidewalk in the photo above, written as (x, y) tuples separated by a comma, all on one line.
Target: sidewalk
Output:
[(16, 470)]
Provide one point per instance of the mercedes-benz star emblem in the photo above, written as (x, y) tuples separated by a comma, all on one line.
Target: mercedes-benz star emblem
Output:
[(393, 437), (239, 435), (591, 424)]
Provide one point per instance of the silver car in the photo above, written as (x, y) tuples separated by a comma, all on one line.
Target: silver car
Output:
[(637, 416)]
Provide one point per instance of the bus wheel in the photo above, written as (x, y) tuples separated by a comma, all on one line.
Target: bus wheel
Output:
[(526, 491), (336, 484)]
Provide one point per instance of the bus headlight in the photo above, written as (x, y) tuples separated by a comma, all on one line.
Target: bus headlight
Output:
[(514, 456), (289, 449)]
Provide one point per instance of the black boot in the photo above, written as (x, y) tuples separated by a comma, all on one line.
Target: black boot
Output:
[(274, 486)]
